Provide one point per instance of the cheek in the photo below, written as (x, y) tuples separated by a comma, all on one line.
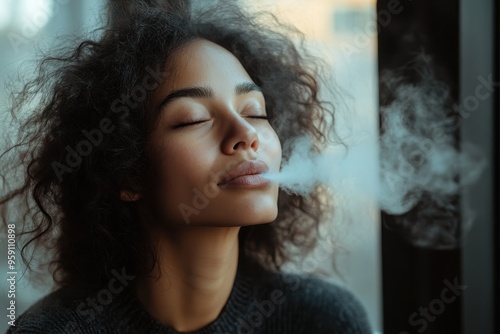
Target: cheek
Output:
[(177, 169), (182, 164), (180, 169), (270, 141)]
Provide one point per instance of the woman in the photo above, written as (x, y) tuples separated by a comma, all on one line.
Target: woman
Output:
[(146, 162)]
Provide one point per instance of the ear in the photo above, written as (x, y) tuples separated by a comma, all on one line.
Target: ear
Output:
[(129, 196)]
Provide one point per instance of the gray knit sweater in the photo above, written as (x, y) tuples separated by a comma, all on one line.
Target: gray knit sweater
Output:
[(273, 303)]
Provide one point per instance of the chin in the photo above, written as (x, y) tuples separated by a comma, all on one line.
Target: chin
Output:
[(262, 211), (261, 219), (235, 216)]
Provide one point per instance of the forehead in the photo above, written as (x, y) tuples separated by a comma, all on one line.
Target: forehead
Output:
[(204, 63)]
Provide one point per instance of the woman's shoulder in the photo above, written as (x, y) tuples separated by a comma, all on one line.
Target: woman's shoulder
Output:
[(316, 303), (308, 288), (65, 310)]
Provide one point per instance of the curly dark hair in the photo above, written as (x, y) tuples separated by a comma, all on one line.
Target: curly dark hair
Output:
[(69, 195)]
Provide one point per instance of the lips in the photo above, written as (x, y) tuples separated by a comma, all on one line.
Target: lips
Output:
[(246, 174)]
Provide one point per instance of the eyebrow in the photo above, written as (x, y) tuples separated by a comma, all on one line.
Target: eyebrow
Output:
[(246, 87), (206, 92)]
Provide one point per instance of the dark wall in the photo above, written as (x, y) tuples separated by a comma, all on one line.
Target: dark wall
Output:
[(414, 278)]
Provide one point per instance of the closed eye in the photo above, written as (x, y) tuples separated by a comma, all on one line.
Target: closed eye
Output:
[(185, 124), (259, 117)]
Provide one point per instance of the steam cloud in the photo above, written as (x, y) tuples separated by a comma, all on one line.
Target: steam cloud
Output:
[(420, 163)]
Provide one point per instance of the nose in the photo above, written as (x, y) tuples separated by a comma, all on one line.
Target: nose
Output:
[(240, 136)]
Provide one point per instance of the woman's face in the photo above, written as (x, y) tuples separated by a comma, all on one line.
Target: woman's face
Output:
[(212, 142)]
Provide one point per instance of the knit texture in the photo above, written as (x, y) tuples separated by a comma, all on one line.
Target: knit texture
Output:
[(272, 303)]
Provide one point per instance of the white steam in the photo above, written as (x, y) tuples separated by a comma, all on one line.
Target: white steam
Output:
[(336, 167), (416, 162)]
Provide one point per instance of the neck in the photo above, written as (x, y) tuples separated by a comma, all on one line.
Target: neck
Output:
[(193, 278)]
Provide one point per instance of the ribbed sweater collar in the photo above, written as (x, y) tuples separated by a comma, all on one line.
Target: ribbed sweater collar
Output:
[(127, 314)]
